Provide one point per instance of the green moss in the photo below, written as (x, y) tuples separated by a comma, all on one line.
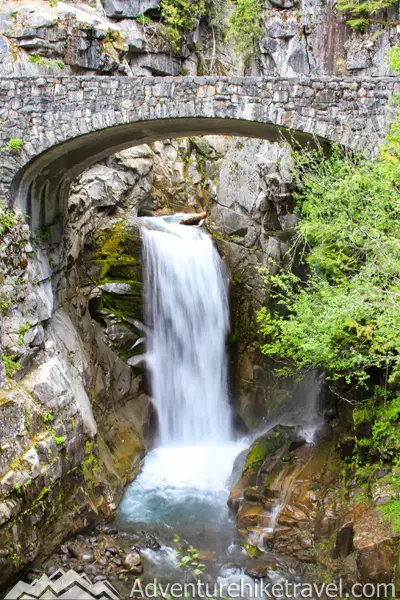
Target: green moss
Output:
[(391, 511), (46, 62), (252, 551), (363, 413), (90, 464), (364, 442), (15, 145), (117, 250), (122, 305), (261, 448), (127, 354)]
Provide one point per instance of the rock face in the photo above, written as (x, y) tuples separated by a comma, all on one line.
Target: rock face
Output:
[(299, 38), (75, 418), (251, 222), (74, 337), (128, 8)]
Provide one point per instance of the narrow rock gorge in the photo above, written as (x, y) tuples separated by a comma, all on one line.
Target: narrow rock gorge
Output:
[(301, 473)]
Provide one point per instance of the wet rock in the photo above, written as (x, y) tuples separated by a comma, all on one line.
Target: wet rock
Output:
[(344, 541), (87, 557), (152, 543), (138, 570), (257, 572), (109, 530), (228, 570), (132, 560)]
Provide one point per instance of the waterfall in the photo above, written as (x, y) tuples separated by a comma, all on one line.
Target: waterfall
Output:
[(184, 482), (187, 312)]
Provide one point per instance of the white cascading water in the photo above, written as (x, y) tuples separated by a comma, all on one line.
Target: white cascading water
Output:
[(185, 479), (186, 299)]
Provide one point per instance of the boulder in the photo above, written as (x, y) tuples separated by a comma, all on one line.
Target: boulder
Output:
[(132, 560)]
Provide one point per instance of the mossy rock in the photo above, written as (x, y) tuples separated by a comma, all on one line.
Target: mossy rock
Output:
[(125, 305), (123, 271), (118, 249), (268, 444)]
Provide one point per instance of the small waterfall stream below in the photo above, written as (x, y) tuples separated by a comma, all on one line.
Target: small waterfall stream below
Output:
[(183, 486)]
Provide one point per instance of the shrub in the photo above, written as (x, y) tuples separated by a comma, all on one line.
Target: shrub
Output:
[(361, 11), (180, 15), (342, 316), (15, 145)]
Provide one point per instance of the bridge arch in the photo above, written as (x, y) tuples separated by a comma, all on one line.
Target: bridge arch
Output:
[(40, 189), (69, 123)]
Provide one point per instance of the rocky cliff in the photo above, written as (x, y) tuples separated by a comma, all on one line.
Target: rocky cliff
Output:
[(128, 38)]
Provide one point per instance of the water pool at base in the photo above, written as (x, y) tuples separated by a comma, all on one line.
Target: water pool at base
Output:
[(183, 491)]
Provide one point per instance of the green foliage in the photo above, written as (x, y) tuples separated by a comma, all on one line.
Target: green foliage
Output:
[(48, 417), (180, 16), (343, 317), (143, 19), (8, 219), (361, 11), (22, 331), (10, 364), (380, 416), (15, 145), (394, 58), (391, 511), (58, 440), (5, 302), (244, 28), (189, 560), (46, 62), (217, 12), (42, 234)]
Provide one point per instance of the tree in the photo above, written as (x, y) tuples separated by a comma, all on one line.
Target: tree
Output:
[(244, 28)]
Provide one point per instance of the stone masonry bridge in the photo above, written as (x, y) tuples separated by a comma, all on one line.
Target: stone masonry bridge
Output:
[(68, 123)]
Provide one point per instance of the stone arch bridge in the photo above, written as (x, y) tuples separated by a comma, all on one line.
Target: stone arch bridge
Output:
[(68, 123)]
